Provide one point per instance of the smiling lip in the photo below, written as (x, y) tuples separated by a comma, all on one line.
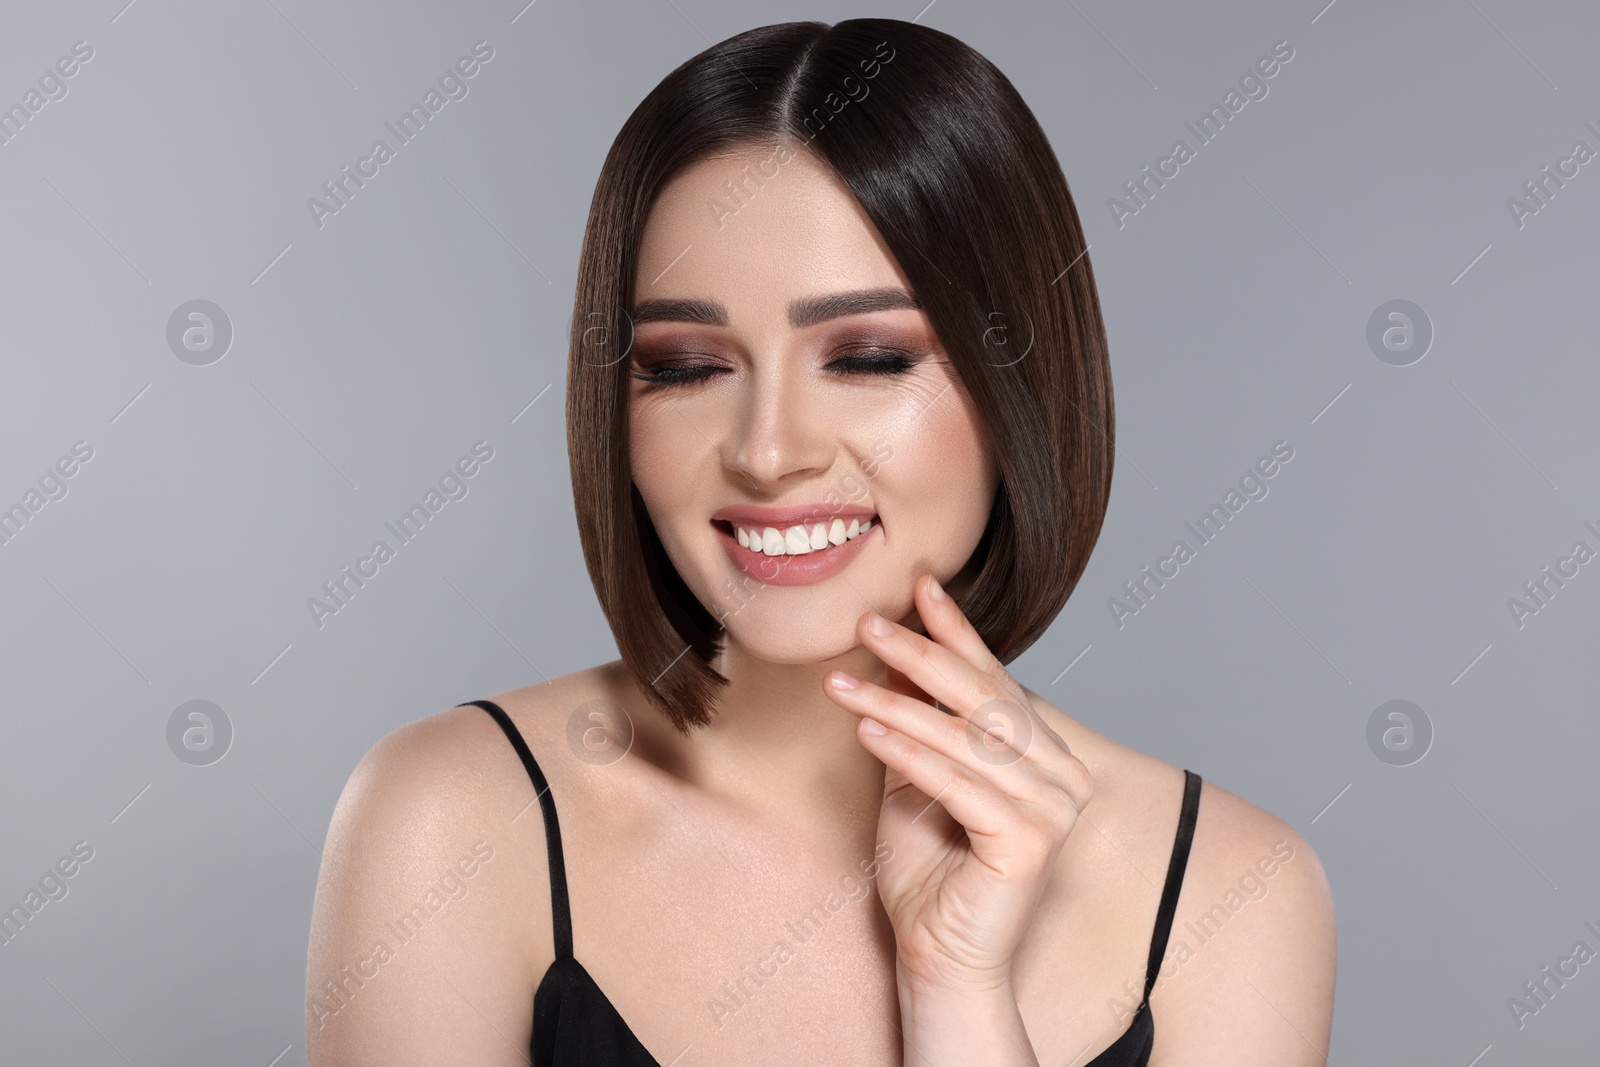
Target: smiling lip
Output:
[(748, 515), (805, 569)]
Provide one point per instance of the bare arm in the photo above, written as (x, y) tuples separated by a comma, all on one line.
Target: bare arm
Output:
[(426, 931)]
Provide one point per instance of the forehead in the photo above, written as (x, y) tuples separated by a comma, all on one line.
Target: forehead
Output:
[(754, 233)]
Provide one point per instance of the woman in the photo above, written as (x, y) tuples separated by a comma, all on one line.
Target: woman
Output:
[(840, 429)]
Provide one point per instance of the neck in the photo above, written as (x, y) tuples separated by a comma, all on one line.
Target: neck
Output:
[(778, 743)]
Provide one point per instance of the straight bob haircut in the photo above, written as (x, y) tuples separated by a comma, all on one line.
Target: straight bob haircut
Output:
[(960, 181)]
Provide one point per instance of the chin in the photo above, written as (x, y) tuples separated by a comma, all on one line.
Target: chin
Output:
[(776, 632), (773, 647)]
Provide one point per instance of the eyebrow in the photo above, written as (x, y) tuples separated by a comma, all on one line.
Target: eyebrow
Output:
[(807, 311)]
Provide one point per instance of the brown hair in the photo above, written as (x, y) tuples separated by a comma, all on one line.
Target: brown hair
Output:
[(960, 181)]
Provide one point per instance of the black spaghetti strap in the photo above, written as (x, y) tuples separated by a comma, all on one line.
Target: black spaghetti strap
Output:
[(561, 915), (1175, 868)]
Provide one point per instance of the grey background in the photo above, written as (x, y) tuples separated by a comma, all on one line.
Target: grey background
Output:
[(429, 313)]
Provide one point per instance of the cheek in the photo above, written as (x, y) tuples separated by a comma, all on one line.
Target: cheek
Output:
[(659, 454), (942, 471)]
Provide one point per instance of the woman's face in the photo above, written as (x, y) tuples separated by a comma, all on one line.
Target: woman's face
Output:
[(778, 385)]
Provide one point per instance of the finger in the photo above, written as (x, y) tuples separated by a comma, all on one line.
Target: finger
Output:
[(934, 669), (950, 627), (899, 681), (982, 810), (1035, 784), (997, 706)]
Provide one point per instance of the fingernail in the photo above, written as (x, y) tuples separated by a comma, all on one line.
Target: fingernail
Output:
[(935, 590), (879, 625), (842, 680), (873, 727)]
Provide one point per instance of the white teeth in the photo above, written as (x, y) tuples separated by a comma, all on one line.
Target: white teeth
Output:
[(799, 540)]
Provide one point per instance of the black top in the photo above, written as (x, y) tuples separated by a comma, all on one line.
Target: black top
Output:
[(575, 1024)]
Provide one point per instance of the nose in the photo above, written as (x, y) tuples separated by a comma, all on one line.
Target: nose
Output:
[(778, 438)]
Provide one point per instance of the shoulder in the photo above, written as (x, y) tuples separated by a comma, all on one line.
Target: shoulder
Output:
[(407, 773), (1243, 856), (1235, 843), (456, 769), (1250, 959), (1252, 955), (420, 790), (432, 901)]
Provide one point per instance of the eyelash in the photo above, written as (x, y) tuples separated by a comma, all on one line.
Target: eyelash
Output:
[(874, 361)]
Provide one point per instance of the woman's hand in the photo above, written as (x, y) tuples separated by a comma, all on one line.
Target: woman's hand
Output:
[(976, 803)]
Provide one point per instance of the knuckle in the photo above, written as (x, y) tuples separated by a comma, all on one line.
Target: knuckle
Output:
[(1079, 782), (879, 700), (1070, 806), (961, 782)]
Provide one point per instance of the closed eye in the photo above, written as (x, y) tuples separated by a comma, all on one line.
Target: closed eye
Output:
[(678, 373), (877, 361), (874, 361)]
